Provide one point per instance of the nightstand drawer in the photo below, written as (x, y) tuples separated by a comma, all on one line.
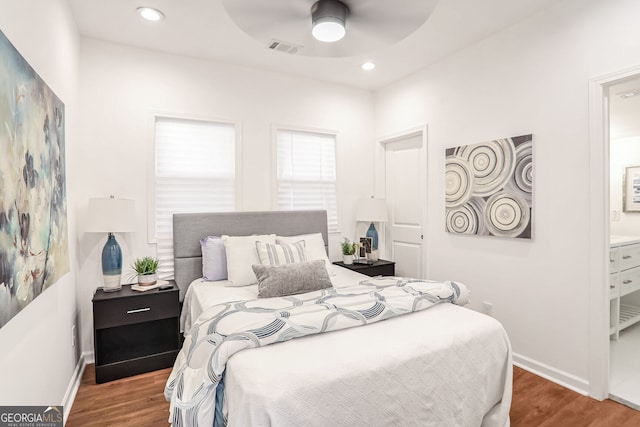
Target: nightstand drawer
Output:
[(135, 309), (379, 270)]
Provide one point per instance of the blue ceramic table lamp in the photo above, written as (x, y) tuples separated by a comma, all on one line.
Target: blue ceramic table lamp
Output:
[(372, 210), (111, 215)]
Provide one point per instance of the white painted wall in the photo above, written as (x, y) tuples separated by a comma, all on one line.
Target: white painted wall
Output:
[(531, 78), (36, 357), (624, 152), (120, 88)]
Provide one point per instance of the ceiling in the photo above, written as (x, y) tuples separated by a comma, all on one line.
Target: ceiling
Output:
[(624, 113), (204, 29), (372, 25)]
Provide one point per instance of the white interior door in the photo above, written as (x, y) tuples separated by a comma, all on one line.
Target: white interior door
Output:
[(405, 183)]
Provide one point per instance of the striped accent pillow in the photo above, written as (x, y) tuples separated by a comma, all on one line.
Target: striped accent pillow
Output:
[(280, 254)]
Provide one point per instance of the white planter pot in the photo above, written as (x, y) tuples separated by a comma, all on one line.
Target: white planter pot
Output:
[(147, 279), (347, 259)]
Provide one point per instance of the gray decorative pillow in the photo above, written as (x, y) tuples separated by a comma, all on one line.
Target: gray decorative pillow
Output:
[(291, 279)]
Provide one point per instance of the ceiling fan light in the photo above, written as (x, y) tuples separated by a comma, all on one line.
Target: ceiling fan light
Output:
[(328, 31), (328, 20)]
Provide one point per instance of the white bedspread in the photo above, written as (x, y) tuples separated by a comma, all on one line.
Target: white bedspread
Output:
[(446, 366)]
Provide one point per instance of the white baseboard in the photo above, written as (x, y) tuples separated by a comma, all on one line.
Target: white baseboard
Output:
[(577, 384), (72, 388), (89, 357), (624, 402)]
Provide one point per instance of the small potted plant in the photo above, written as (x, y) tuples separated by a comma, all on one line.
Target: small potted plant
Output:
[(348, 251), (147, 270)]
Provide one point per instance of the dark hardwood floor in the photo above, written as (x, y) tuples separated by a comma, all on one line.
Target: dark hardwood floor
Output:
[(134, 401), (139, 401), (541, 403)]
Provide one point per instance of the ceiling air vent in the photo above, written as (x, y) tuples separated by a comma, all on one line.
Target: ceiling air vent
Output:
[(629, 93), (285, 47)]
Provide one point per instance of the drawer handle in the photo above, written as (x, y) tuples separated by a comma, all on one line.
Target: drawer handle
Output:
[(626, 256), (138, 310), (612, 260), (626, 282), (612, 286)]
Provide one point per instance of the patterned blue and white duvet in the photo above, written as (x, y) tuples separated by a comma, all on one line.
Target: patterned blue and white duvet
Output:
[(225, 329)]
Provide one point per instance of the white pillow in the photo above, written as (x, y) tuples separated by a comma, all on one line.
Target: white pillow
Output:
[(241, 255), (214, 259), (281, 253), (313, 246)]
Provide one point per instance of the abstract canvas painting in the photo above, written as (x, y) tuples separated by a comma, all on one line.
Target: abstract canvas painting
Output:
[(33, 214), (489, 188)]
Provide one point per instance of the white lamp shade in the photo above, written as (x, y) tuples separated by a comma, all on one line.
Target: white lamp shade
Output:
[(371, 210), (110, 215)]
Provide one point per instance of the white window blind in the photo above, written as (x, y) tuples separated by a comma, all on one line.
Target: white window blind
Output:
[(307, 173), (195, 172)]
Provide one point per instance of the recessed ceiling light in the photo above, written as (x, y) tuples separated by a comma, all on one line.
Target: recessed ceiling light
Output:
[(150, 14), (368, 66)]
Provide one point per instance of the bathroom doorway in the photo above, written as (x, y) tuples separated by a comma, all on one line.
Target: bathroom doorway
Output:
[(624, 249)]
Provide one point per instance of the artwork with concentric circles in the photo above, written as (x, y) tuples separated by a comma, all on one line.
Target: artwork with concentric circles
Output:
[(489, 188)]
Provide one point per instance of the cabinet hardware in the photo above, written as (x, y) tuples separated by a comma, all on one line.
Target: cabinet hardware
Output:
[(626, 282), (138, 310)]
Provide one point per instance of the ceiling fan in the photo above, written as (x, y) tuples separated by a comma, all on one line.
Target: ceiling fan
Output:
[(329, 28)]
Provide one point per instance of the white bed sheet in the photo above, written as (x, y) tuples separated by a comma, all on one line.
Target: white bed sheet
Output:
[(202, 294), (446, 366)]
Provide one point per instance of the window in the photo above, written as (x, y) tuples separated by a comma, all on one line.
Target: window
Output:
[(306, 173), (194, 172)]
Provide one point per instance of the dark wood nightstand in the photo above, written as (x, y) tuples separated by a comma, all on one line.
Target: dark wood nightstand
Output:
[(378, 268), (135, 332)]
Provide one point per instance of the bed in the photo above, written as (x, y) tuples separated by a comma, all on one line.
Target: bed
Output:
[(445, 366)]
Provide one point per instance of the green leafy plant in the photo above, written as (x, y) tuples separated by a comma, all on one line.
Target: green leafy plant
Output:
[(146, 265), (348, 247)]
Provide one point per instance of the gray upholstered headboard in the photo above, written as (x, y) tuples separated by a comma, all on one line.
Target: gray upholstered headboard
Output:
[(189, 228)]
